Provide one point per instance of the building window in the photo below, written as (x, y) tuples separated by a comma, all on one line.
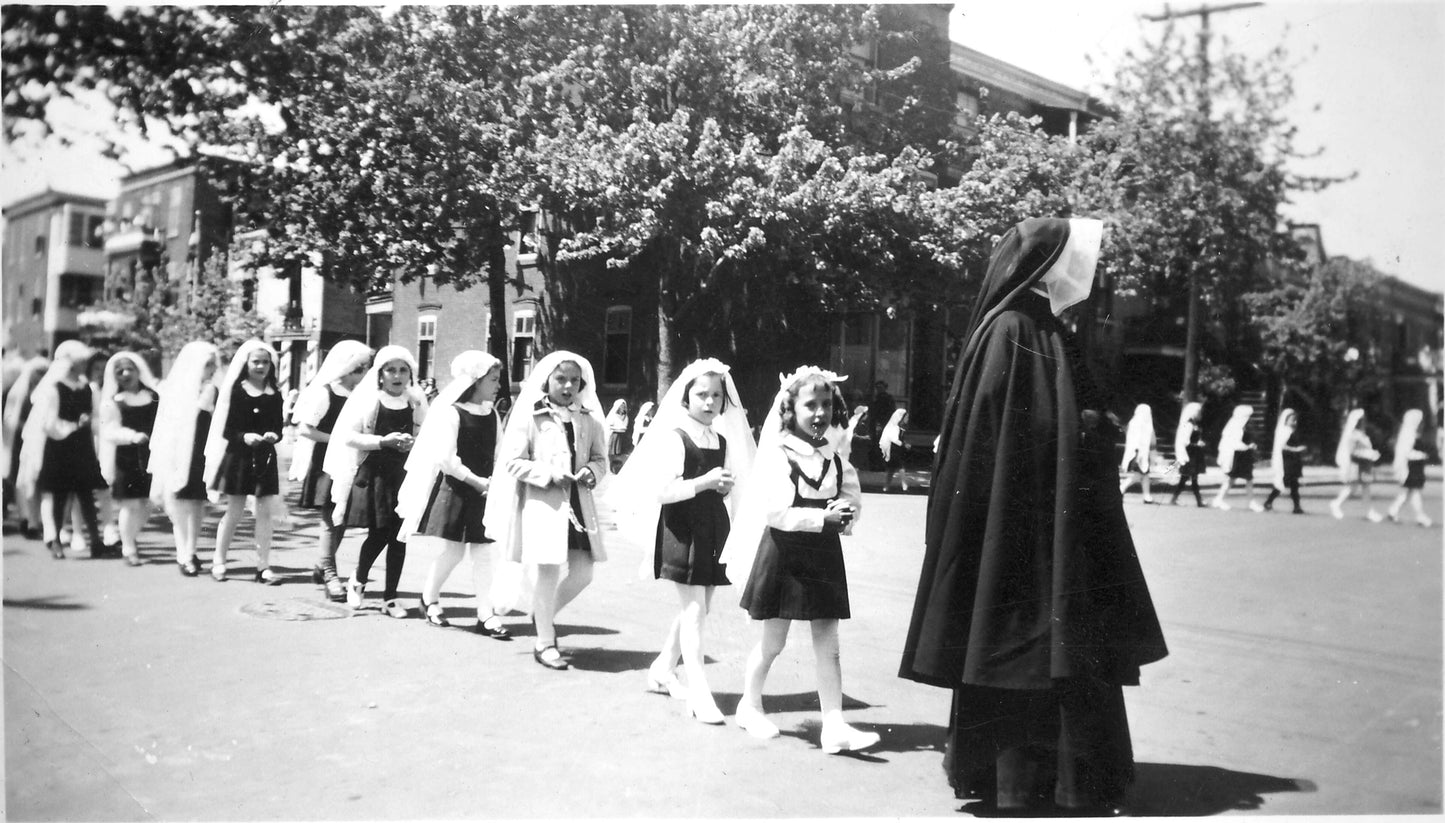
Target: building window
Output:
[(79, 290), (39, 245), (617, 344), (524, 333), (85, 230), (173, 213), (426, 344)]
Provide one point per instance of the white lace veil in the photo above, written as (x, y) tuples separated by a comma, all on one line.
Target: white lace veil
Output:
[(109, 387), (1185, 431), (359, 415), (1233, 436), (30, 375), (1070, 279), (45, 410), (170, 463), (432, 446), (640, 421), (892, 433), (1281, 434), (342, 360), (216, 438), (1347, 443), (750, 515), (1405, 442), (1139, 438), (635, 491)]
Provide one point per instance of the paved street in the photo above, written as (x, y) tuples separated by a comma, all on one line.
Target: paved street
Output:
[(1304, 678)]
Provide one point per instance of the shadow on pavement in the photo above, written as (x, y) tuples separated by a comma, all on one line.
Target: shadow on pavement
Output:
[(613, 661), (1178, 790), (43, 604), (775, 703)]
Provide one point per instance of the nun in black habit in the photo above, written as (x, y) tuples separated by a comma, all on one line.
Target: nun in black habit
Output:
[(1031, 605)]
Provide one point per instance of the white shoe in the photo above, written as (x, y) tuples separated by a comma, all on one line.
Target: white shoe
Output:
[(1424, 521), (1256, 506), (845, 738), (1221, 505), (755, 722), (110, 535), (355, 593), (1374, 516), (702, 707), (1338, 512), (667, 684)]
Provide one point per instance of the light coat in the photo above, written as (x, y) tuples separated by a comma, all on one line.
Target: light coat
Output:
[(537, 456)]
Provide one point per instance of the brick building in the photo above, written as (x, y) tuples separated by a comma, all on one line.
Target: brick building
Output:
[(54, 267)]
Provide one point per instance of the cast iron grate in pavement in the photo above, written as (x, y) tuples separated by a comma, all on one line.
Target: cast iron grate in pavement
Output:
[(294, 608)]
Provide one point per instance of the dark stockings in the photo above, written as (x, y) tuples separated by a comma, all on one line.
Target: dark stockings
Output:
[(377, 539)]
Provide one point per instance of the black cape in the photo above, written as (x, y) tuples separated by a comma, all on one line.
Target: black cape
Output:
[(1030, 573)]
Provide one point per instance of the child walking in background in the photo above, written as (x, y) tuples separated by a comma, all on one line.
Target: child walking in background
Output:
[(58, 461), (1356, 457), (1138, 451), (177, 460), (642, 421), (366, 461), (892, 447), (617, 433), (1189, 452), (17, 411), (1236, 457), (128, 405), (675, 495), (315, 413), (241, 454), (540, 504), (448, 473), (802, 495), (1409, 465), (1287, 460)]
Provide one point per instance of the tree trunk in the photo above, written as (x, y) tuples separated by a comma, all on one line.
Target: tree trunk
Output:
[(666, 348), (497, 300)]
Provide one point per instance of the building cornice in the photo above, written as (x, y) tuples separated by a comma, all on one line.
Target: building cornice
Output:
[(992, 71), (47, 199)]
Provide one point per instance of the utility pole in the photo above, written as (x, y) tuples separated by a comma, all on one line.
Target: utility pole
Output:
[(1191, 329)]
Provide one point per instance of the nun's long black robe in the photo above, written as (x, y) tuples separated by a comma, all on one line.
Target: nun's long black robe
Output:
[(1031, 604)]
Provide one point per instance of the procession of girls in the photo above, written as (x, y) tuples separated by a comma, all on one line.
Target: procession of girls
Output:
[(1357, 458), (710, 507)]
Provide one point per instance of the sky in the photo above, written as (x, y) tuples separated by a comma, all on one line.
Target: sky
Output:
[(1369, 85), (1369, 95)]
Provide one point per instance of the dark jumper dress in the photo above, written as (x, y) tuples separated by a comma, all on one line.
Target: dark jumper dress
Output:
[(195, 488), (1243, 468), (379, 477), (799, 575), (316, 486), (455, 510), (1414, 474), (131, 480), (250, 469), (70, 464), (691, 533)]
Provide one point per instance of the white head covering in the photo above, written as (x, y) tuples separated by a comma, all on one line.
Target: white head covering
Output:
[(640, 421), (342, 360), (1405, 442), (1139, 439), (1233, 436), (236, 372), (857, 417), (170, 463), (359, 415), (45, 410), (1282, 431), (15, 400), (432, 446), (1347, 442), (617, 418), (637, 487), (502, 496), (750, 514), (1185, 431), (1070, 279), (892, 434), (109, 387)]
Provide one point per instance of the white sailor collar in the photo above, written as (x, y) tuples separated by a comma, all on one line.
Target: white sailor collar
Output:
[(794, 443)]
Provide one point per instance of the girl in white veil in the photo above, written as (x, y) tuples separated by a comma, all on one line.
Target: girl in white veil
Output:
[(177, 460), (17, 411), (315, 413), (241, 454), (1286, 460), (1189, 451), (58, 459), (616, 432), (448, 474), (675, 499), (129, 401), (642, 421), (801, 496), (892, 447), (367, 465), (540, 507), (1138, 451), (1409, 466), (1355, 456), (1236, 457)]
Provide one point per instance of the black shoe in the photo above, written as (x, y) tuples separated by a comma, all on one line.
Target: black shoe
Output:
[(56, 550), (434, 618), (1298, 511), (494, 632), (318, 576), (554, 661)]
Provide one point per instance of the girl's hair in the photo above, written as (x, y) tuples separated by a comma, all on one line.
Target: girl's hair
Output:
[(687, 390), (789, 396), (270, 372)]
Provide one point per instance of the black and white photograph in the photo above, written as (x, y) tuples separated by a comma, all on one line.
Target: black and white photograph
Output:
[(734, 411)]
